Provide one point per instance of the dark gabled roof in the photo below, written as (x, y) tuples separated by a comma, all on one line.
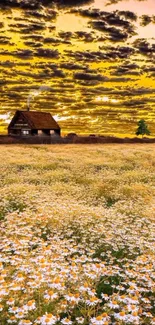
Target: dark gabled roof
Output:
[(38, 120)]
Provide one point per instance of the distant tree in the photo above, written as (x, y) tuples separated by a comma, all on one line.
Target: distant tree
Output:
[(142, 128)]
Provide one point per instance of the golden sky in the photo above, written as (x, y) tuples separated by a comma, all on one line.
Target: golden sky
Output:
[(90, 63)]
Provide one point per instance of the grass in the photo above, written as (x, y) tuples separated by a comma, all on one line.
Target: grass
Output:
[(77, 234)]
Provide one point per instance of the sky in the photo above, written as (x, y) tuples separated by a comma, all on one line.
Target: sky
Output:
[(91, 64)]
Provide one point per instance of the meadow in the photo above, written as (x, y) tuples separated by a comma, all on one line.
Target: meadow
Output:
[(77, 234)]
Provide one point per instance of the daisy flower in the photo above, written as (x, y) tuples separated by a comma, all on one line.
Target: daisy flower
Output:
[(66, 321)]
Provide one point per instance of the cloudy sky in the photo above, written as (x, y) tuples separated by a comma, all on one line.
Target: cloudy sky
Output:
[(90, 63)]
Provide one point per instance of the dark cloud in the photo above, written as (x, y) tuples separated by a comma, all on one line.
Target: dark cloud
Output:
[(96, 77), (89, 76), (5, 40), (98, 14), (144, 47), (122, 72), (114, 34), (18, 25), (107, 53), (28, 54), (34, 37), (51, 28), (49, 15), (14, 95), (120, 92), (149, 68), (21, 3), (111, 2), (126, 69), (115, 24), (35, 4), (86, 56), (44, 65), (145, 20), (65, 35), (23, 87), (72, 3), (23, 28), (33, 44), (135, 103), (58, 73), (23, 54), (84, 36), (89, 13), (46, 73), (141, 91), (52, 40), (129, 15), (115, 19), (47, 53), (87, 83), (2, 82), (72, 66), (117, 52), (7, 64)]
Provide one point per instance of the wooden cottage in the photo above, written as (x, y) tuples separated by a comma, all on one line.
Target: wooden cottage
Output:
[(28, 123)]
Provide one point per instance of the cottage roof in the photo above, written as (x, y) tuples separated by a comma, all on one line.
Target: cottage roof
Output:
[(39, 120)]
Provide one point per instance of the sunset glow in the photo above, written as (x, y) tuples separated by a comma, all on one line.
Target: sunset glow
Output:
[(93, 61), (103, 99), (5, 117)]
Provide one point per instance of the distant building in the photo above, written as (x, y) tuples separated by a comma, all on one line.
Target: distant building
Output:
[(71, 135), (92, 135), (28, 123)]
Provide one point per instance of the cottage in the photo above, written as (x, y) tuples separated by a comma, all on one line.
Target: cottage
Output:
[(27, 123)]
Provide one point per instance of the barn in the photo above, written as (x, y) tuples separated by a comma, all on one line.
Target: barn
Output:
[(29, 123)]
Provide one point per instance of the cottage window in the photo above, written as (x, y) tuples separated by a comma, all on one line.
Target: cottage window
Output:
[(25, 132)]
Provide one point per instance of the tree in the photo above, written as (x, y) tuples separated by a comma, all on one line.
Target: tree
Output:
[(142, 128)]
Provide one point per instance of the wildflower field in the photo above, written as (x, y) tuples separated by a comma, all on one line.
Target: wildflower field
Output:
[(77, 234)]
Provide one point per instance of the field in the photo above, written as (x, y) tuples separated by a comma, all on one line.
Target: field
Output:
[(77, 234)]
